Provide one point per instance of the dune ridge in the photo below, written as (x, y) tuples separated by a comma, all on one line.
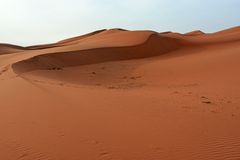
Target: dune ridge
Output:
[(64, 42), (154, 45), (233, 30), (94, 47), (73, 40)]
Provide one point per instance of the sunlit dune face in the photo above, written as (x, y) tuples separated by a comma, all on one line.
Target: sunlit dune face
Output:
[(119, 80)]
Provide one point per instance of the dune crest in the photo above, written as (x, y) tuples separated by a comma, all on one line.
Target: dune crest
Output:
[(115, 45), (65, 42), (155, 45)]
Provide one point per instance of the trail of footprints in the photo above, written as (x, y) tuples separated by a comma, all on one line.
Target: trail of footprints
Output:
[(21, 151), (102, 152), (24, 152), (4, 69), (215, 103), (121, 85)]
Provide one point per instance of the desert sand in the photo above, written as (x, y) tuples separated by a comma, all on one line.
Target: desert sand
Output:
[(122, 95)]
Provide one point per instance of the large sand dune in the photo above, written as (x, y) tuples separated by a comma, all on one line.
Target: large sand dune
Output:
[(122, 95), (120, 46)]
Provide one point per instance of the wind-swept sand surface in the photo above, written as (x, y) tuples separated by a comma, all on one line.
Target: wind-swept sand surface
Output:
[(122, 95)]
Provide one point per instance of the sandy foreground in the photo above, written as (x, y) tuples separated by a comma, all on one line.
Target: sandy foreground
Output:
[(122, 95)]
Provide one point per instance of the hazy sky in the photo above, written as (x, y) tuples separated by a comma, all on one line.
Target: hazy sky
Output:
[(27, 22)]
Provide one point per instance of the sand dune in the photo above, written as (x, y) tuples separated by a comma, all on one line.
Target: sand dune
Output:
[(114, 45), (195, 33), (154, 45), (122, 95), (74, 40), (64, 42), (8, 48), (226, 36), (233, 30)]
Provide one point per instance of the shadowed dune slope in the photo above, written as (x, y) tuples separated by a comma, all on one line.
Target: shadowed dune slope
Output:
[(118, 44), (8, 48)]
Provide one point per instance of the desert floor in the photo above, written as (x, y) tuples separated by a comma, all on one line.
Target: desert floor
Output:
[(122, 95)]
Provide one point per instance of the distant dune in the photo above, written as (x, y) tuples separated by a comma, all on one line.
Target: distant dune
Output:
[(8, 48), (232, 30), (195, 33), (116, 94)]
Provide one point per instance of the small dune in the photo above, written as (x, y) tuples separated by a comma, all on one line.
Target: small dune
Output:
[(8, 48), (195, 33), (233, 30)]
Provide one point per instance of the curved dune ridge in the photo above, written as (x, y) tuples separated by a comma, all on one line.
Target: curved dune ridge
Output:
[(116, 44), (151, 44)]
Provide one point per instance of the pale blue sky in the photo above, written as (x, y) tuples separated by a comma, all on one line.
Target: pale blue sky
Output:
[(27, 22)]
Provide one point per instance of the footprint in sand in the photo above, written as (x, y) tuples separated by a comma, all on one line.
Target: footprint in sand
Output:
[(132, 77), (55, 68), (102, 152), (4, 69), (24, 152), (206, 100)]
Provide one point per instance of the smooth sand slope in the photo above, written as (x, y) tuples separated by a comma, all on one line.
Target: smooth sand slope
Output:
[(122, 95)]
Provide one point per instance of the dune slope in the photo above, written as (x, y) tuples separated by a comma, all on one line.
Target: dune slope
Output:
[(8, 48), (155, 45)]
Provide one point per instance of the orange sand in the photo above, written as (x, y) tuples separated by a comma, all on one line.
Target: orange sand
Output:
[(122, 95)]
